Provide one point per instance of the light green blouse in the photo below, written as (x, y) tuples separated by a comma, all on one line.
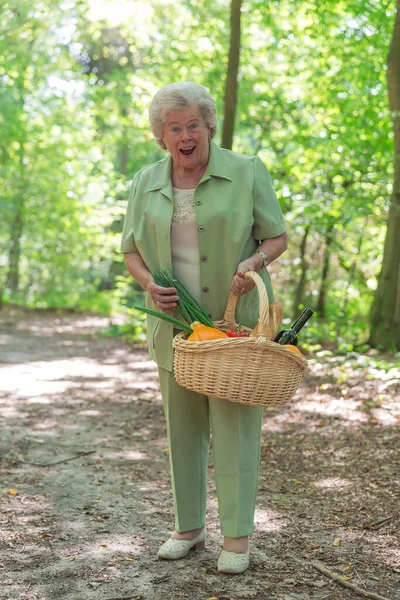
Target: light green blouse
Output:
[(236, 207)]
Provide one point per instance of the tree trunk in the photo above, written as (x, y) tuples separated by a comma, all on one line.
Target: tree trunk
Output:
[(123, 156), (321, 308), (353, 271), (231, 84), (122, 146), (385, 310), (12, 281), (302, 280)]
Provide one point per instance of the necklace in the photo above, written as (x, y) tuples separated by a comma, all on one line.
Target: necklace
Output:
[(191, 185)]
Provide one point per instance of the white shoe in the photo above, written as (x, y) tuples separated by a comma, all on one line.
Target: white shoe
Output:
[(174, 549), (230, 562)]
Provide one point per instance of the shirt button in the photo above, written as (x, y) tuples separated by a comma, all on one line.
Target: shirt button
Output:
[(198, 202), (202, 228), (205, 290), (203, 258)]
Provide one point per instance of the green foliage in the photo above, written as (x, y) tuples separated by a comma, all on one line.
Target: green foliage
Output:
[(103, 303), (76, 80), (374, 363), (134, 331)]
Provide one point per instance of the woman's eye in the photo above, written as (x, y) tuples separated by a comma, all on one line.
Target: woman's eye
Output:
[(175, 129), (194, 126)]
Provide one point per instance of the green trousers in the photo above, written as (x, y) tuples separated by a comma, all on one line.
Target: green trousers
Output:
[(236, 432)]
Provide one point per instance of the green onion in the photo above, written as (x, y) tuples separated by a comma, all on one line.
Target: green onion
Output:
[(188, 307), (165, 317), (161, 279)]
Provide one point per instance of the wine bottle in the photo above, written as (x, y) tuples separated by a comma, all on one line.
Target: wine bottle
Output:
[(289, 336)]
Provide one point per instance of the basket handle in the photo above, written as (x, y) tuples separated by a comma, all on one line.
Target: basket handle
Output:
[(262, 328)]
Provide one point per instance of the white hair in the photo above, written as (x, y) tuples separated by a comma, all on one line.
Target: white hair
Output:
[(174, 96)]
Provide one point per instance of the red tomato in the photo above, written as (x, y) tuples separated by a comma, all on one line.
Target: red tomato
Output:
[(230, 333), (237, 334)]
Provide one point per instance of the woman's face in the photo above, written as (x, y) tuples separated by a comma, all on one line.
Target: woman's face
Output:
[(186, 137)]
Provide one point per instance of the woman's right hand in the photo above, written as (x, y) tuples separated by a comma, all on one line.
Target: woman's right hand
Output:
[(166, 299)]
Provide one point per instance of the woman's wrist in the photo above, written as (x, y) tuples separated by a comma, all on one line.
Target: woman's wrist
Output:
[(147, 282), (257, 261)]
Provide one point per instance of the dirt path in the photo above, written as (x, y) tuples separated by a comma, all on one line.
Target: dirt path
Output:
[(89, 528)]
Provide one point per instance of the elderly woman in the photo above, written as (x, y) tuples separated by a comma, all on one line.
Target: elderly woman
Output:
[(210, 215)]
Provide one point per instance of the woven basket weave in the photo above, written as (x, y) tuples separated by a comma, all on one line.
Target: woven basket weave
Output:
[(251, 370)]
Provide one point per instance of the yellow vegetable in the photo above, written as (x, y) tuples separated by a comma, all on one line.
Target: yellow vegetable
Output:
[(203, 333), (293, 349)]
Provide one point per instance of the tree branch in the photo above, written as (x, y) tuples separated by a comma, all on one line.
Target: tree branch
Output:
[(337, 579), (58, 462)]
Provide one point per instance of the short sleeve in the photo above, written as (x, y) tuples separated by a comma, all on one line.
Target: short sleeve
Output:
[(128, 240), (268, 218)]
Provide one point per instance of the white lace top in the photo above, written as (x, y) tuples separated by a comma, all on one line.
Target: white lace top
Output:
[(185, 241)]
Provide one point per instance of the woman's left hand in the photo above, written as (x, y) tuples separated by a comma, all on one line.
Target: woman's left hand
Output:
[(240, 284)]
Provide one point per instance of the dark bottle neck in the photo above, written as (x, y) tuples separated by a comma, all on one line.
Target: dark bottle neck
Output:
[(302, 320)]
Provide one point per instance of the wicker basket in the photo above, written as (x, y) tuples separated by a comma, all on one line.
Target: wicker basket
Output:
[(250, 370)]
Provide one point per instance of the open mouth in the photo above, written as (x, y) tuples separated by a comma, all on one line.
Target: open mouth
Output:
[(187, 151)]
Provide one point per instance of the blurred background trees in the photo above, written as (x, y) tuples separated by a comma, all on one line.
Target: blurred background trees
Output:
[(76, 79)]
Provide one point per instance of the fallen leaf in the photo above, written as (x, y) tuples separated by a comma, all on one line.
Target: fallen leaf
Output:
[(319, 583), (346, 578), (337, 542), (288, 583), (129, 559), (324, 386), (346, 568), (12, 492)]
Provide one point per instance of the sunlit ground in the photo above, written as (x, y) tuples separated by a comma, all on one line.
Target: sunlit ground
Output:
[(90, 527)]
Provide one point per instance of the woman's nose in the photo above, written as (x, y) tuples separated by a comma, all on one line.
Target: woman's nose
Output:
[(186, 134)]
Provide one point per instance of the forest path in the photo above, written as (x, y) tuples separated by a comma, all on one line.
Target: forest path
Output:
[(89, 528)]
